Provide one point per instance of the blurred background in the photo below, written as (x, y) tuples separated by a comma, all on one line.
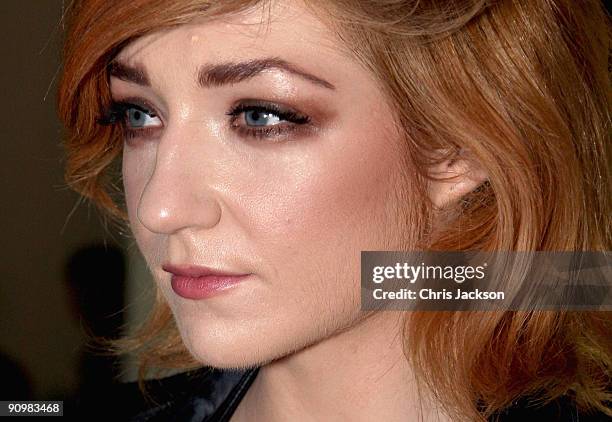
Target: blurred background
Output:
[(64, 274)]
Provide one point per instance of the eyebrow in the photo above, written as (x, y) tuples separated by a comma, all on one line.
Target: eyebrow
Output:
[(135, 74), (213, 75)]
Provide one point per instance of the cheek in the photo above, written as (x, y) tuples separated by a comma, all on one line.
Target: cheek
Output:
[(310, 213), (331, 196), (137, 166), (324, 205)]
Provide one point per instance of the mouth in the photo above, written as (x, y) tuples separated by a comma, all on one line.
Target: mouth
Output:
[(199, 282)]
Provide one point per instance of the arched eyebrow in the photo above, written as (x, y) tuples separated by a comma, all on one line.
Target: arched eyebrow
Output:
[(230, 72), (135, 74), (219, 74)]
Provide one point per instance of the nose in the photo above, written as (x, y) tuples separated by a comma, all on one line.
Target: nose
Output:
[(177, 195)]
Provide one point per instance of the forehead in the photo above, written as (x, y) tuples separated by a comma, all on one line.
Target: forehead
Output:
[(285, 29)]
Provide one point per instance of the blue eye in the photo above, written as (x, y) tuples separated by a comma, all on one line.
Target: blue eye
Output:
[(261, 118), (137, 121), (135, 117)]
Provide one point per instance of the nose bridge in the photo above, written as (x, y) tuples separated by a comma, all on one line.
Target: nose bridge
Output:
[(177, 194)]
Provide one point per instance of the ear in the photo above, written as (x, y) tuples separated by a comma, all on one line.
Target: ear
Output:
[(454, 178)]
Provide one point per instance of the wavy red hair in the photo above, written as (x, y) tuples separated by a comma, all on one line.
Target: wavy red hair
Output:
[(523, 85)]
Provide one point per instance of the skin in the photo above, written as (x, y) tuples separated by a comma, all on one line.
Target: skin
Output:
[(293, 210)]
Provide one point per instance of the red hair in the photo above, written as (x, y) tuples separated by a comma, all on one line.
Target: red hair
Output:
[(522, 85)]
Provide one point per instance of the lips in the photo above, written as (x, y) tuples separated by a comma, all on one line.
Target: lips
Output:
[(199, 282)]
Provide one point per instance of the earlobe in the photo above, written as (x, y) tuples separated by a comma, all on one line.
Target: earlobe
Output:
[(454, 178)]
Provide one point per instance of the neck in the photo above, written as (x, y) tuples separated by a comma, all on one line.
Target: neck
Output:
[(342, 378)]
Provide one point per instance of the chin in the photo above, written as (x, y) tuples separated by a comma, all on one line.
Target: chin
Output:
[(245, 344), (230, 344)]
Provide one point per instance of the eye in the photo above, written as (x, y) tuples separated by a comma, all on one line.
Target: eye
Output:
[(261, 119), (136, 120), (135, 117)]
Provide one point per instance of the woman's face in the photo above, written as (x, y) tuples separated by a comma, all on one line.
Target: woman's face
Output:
[(261, 150)]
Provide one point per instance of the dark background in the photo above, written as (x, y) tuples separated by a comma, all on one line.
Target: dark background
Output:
[(62, 270)]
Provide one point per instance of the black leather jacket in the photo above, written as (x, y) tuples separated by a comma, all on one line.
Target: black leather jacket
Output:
[(205, 396), (212, 395)]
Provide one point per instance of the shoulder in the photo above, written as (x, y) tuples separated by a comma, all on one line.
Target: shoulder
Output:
[(206, 394)]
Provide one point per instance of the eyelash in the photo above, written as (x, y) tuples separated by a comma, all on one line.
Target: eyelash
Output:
[(295, 119), (291, 120), (115, 114)]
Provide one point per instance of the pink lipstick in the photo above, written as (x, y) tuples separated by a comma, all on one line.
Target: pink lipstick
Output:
[(198, 282)]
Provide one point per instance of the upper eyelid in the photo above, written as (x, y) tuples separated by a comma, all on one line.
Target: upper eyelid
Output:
[(138, 103), (257, 103), (142, 102)]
